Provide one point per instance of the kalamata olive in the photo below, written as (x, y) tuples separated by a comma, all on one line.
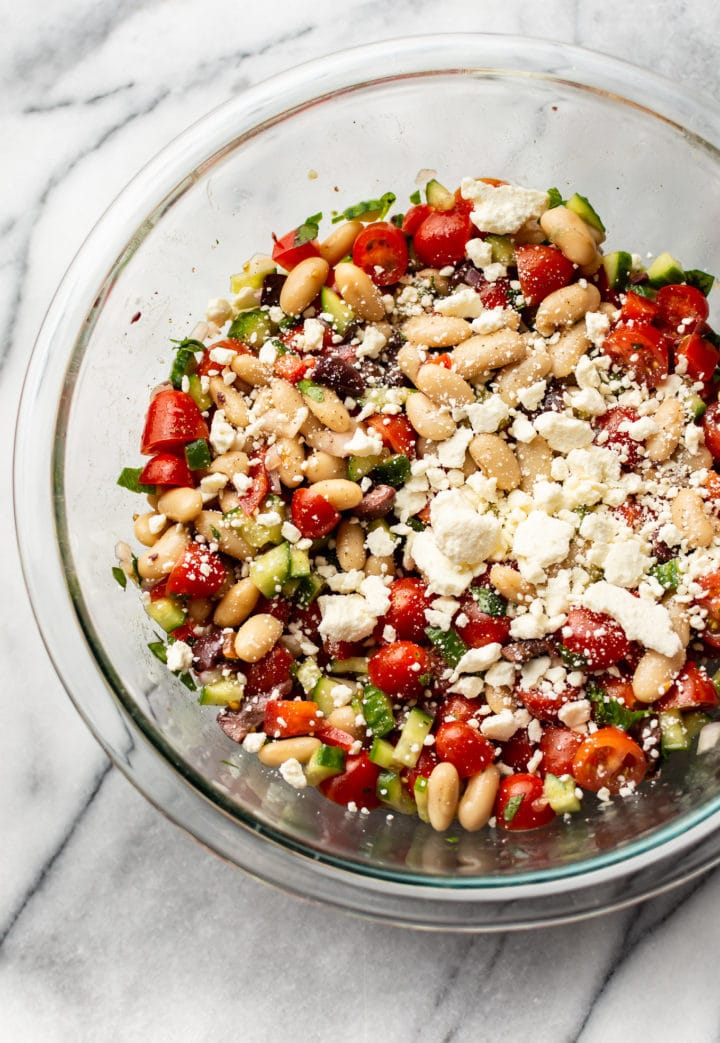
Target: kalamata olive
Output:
[(376, 503), (339, 375)]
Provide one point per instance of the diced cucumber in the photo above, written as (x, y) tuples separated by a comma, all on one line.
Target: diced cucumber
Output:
[(420, 792), (184, 362), (667, 574), (307, 675), (195, 390), (394, 471), (584, 209), (489, 601), (253, 531), (664, 270), (299, 563), (382, 753), (323, 693), (391, 791), (167, 613), (618, 266), (448, 643), (674, 735), (359, 467), (308, 589), (503, 251), (377, 710), (559, 791), (696, 407), (413, 735), (252, 327), (325, 762), (198, 455), (269, 571), (253, 274), (355, 665), (438, 196), (341, 314), (289, 588), (694, 723), (220, 693)]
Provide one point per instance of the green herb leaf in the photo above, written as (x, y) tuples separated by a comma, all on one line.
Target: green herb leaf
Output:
[(415, 198), (416, 524), (313, 391), (643, 289), (215, 534), (555, 199), (572, 660), (448, 643), (129, 478), (397, 220), (667, 574), (488, 601), (367, 210), (159, 650), (610, 711), (188, 682), (308, 230), (119, 576), (513, 806), (197, 454), (183, 365), (702, 281)]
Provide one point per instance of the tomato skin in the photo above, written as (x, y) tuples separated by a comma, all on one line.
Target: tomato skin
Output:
[(638, 308), (334, 737), (285, 718), (166, 469), (596, 637), (701, 357), (426, 762), (541, 270), (269, 673), (398, 669), (641, 349), (288, 255), (312, 514), (481, 628), (408, 601), (711, 429), (355, 785), (207, 367), (710, 602), (172, 421), (691, 689), (619, 441), (382, 246), (532, 811), (517, 750), (558, 747), (495, 294), (414, 217), (680, 305), (544, 705), (293, 368), (198, 573), (396, 432), (250, 501), (608, 759), (464, 747), (458, 708), (441, 237)]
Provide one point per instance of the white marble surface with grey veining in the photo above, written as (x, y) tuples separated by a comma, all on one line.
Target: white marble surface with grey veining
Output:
[(114, 925)]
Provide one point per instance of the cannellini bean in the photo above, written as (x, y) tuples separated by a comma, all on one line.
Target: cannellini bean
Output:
[(436, 331), (359, 291), (147, 531), (440, 283), (340, 242), (257, 636), (236, 604), (320, 466), (508, 582), (230, 401), (230, 464), (478, 800), (345, 718), (565, 307), (291, 457), (299, 748), (512, 379), (303, 284), (375, 566), (570, 234), (409, 359), (200, 609), (669, 419), (688, 514), (535, 460), (496, 460), (443, 794), (329, 410), (428, 419), (159, 560), (569, 348), (218, 529), (655, 672), (251, 370), (340, 492), (499, 698), (476, 357), (444, 386), (181, 504), (350, 545)]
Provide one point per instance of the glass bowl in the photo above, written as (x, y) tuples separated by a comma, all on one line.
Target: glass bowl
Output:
[(347, 127)]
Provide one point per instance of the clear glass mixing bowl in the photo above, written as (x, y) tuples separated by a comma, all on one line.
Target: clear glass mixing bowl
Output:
[(365, 121)]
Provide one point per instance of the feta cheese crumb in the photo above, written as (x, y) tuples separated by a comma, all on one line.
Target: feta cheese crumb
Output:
[(179, 657), (502, 209), (293, 774), (642, 620), (254, 742)]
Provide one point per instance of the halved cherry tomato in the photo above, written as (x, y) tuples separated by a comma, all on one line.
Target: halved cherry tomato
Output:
[(544, 705), (334, 737), (400, 669), (269, 673), (683, 306), (166, 469), (517, 750), (198, 573), (427, 760), (638, 308), (441, 237), (609, 759), (312, 514), (622, 691), (288, 252), (692, 689), (285, 718), (495, 294), (641, 349), (631, 513), (172, 421), (293, 368), (520, 803), (356, 785), (207, 367), (541, 270), (617, 439), (408, 602), (558, 747), (414, 217), (596, 637), (464, 747), (711, 429), (481, 628), (250, 501), (395, 430), (701, 357), (457, 708), (381, 251), (278, 607), (710, 602), (342, 649)]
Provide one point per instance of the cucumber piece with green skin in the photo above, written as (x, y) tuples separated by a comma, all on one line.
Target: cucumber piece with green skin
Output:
[(299, 563), (354, 665), (167, 613), (448, 643), (341, 314), (377, 711), (438, 196), (382, 753), (413, 735), (195, 390), (584, 209), (254, 277), (307, 674), (674, 735), (270, 570), (359, 467), (694, 722), (254, 532), (251, 327), (559, 791), (220, 693), (667, 574), (420, 792), (323, 693), (503, 251), (696, 406), (184, 363), (394, 471), (325, 762), (309, 589), (618, 266), (665, 270), (391, 791)]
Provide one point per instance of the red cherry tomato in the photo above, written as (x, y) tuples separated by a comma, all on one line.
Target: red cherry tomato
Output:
[(285, 718), (396, 432), (166, 469), (457, 708), (608, 759), (641, 349), (269, 674), (596, 637), (520, 803), (464, 747), (681, 306), (692, 689), (710, 603), (197, 574), (427, 760), (312, 514), (414, 217), (558, 747), (408, 601), (381, 251), (250, 501), (544, 705), (621, 690), (638, 308), (172, 421), (400, 669), (481, 629), (441, 237), (701, 357), (495, 294), (288, 252), (356, 784), (614, 437), (293, 368), (541, 270), (517, 751), (711, 429), (334, 737), (207, 367)]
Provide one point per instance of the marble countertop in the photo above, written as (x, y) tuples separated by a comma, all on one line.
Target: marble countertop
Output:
[(114, 925)]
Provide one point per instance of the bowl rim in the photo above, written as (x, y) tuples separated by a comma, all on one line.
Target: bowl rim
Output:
[(162, 181)]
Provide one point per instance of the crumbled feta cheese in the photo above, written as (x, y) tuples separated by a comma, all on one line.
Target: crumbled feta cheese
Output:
[(291, 771), (451, 452), (532, 672), (501, 675), (476, 659), (522, 429), (564, 433), (479, 252), (222, 434), (641, 429), (588, 401), (597, 325), (502, 209), (179, 656), (499, 726), (346, 582), (642, 620), (223, 356), (372, 343), (156, 523), (380, 543), (626, 563), (290, 532), (487, 416), (268, 353), (364, 443), (493, 319), (463, 535), (463, 304), (254, 742), (540, 541), (313, 334), (441, 613), (531, 397), (576, 714)]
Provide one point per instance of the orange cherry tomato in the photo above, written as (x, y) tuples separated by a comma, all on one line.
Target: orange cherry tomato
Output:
[(609, 759)]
